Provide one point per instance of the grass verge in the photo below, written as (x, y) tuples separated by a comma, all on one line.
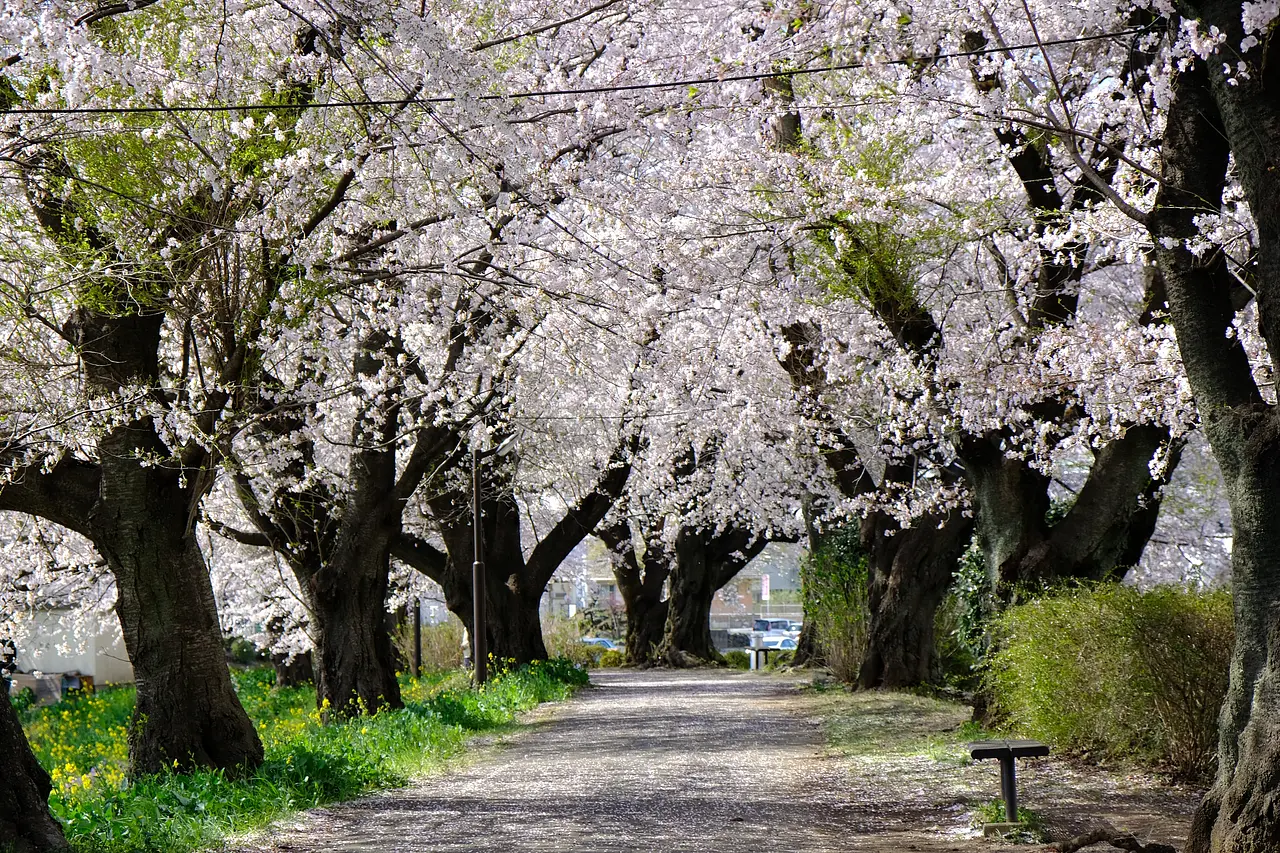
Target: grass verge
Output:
[(881, 723), (82, 742)]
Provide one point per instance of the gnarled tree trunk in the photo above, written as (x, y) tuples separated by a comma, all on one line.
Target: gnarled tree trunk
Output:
[(1100, 537), (293, 672), (703, 565), (1211, 118), (641, 588), (354, 664), (908, 574), (187, 713), (26, 826), (686, 637), (514, 625)]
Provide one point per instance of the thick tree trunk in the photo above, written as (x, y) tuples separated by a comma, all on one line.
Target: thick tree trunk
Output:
[(808, 651), (1238, 815), (1012, 500), (26, 826), (290, 671), (703, 564), (142, 522), (354, 665), (641, 588), (1100, 537), (646, 622), (293, 673), (514, 625), (339, 547), (686, 637), (187, 713), (908, 574)]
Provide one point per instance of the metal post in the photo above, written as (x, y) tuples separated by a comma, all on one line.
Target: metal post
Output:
[(417, 638), (479, 630), (1009, 787)]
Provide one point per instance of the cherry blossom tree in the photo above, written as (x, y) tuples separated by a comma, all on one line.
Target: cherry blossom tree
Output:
[(1004, 333)]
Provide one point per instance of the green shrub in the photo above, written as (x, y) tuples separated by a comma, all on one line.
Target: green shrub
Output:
[(563, 638), (240, 651), (441, 644), (737, 659), (612, 657), (993, 811), (780, 660), (1112, 672), (960, 628), (835, 583), (24, 701)]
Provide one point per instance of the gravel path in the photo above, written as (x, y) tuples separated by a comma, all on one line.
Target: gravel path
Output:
[(674, 761)]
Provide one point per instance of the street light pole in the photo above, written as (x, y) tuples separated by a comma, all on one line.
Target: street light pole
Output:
[(417, 638), (479, 628)]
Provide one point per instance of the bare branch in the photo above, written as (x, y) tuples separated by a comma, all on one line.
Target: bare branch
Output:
[(542, 29), (114, 9)]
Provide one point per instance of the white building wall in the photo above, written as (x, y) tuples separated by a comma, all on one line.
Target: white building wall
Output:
[(50, 647)]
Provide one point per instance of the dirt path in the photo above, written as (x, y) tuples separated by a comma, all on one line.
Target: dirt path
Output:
[(706, 761)]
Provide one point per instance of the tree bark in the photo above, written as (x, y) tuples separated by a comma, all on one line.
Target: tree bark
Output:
[(908, 574), (354, 663), (514, 584), (26, 826), (142, 523), (1210, 118), (339, 548), (514, 626), (138, 505), (293, 673), (908, 571), (187, 713), (1100, 537), (686, 637), (641, 588), (703, 564)]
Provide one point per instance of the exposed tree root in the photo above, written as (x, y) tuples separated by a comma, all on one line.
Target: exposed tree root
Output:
[(1114, 837)]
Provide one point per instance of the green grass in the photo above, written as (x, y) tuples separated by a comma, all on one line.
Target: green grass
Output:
[(897, 724), (1031, 832), (82, 742)]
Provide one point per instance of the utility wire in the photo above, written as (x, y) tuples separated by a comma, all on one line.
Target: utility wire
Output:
[(587, 90)]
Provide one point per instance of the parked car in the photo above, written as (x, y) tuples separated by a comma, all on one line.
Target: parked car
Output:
[(603, 642), (783, 643), (772, 626)]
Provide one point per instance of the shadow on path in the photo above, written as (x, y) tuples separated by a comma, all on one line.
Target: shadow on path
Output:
[(673, 761)]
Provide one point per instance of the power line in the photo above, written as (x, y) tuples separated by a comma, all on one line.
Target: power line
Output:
[(587, 90)]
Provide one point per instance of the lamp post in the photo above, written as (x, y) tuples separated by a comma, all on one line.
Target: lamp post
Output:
[(479, 628), (417, 638)]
